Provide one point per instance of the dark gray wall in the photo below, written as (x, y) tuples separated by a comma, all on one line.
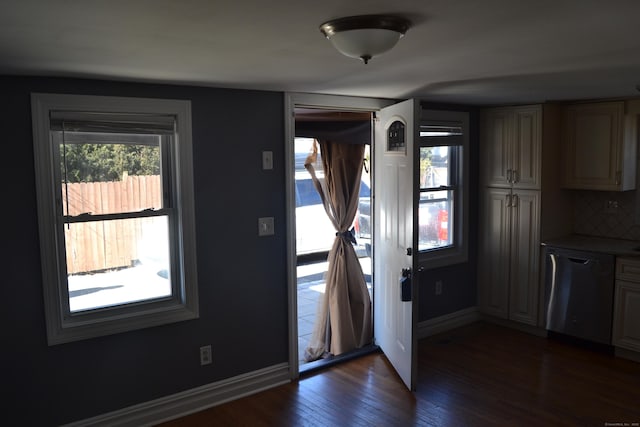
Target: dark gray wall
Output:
[(242, 278)]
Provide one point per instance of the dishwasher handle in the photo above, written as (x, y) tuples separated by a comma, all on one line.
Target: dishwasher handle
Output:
[(579, 260)]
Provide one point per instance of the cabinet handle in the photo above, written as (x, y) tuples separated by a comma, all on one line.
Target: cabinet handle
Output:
[(508, 200), (515, 176), (509, 175), (514, 200)]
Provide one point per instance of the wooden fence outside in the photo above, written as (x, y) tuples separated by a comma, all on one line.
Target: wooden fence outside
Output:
[(103, 245)]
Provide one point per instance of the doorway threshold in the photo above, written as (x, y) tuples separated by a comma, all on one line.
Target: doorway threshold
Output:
[(316, 365)]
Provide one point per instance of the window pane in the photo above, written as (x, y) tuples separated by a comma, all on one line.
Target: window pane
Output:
[(106, 173), (306, 192), (435, 220), (434, 166), (116, 262)]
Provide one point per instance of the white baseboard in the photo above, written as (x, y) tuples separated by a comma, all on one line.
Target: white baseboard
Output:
[(627, 354), (448, 322), (191, 401)]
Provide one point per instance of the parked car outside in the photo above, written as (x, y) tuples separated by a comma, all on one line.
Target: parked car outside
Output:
[(314, 230)]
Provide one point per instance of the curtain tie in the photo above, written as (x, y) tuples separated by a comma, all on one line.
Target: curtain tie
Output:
[(348, 235)]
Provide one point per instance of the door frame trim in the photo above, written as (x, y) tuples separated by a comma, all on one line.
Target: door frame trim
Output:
[(320, 101)]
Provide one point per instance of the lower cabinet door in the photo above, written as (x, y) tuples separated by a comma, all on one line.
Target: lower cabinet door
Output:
[(626, 312), (524, 280), (495, 238)]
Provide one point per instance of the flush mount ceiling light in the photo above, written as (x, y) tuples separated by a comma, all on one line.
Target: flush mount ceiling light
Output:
[(365, 36)]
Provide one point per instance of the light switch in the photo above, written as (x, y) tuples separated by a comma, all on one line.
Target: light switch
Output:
[(267, 160), (265, 226)]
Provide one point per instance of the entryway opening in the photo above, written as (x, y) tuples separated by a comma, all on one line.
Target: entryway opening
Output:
[(315, 233)]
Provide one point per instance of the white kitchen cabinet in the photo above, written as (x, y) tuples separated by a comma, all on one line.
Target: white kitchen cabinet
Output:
[(599, 142), (626, 309), (521, 202), (509, 254), (511, 146)]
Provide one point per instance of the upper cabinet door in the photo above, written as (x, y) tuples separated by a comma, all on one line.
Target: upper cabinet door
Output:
[(511, 146), (496, 128), (597, 153), (527, 143)]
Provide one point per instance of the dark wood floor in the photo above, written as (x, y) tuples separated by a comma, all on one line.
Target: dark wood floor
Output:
[(478, 375)]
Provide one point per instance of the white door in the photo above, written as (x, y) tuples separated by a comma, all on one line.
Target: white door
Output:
[(394, 239)]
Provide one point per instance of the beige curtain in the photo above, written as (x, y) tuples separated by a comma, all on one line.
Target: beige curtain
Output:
[(344, 317)]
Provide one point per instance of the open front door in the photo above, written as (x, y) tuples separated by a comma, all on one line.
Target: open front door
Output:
[(395, 242)]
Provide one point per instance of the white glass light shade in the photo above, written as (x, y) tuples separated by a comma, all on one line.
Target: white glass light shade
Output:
[(365, 36), (364, 43)]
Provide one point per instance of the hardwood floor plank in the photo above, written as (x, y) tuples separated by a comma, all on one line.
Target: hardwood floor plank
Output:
[(478, 375)]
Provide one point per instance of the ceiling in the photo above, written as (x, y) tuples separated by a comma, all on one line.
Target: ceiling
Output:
[(462, 51)]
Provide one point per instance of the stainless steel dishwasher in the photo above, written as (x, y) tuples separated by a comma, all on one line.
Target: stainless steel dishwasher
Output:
[(579, 293)]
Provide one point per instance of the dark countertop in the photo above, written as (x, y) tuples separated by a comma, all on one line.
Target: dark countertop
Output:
[(617, 247)]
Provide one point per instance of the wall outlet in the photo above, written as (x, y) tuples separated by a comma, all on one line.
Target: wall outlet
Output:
[(612, 206), (439, 287), (205, 355)]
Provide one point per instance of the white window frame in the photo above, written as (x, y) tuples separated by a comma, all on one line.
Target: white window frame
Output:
[(62, 326), (457, 252)]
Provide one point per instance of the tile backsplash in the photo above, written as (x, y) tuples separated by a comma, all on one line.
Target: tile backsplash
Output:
[(596, 214)]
